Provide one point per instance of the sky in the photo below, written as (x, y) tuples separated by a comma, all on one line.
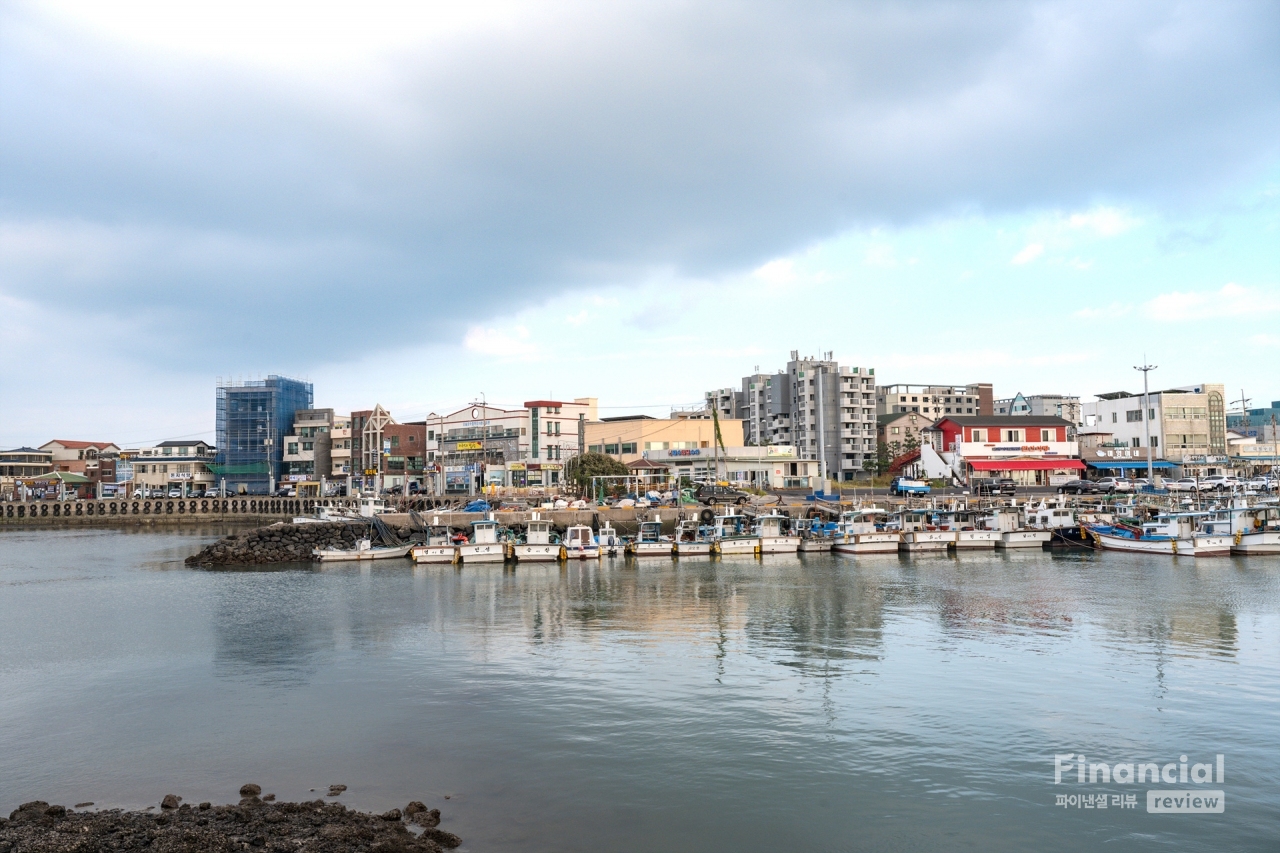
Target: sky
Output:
[(420, 204)]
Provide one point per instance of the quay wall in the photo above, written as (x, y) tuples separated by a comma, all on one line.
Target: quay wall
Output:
[(119, 513)]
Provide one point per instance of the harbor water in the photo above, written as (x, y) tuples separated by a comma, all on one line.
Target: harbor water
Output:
[(808, 703)]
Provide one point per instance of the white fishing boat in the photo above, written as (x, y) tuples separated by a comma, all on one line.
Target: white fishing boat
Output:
[(484, 546), (1007, 520), (608, 540), (769, 528), (371, 506), (1046, 517), (326, 514), (1176, 534), (364, 550), (733, 535), (865, 531), (439, 547), (919, 533), (693, 539), (650, 542), (1253, 529), (970, 535), (580, 543), (817, 536), (537, 546)]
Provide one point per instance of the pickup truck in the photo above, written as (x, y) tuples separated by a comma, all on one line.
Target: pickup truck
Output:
[(905, 486)]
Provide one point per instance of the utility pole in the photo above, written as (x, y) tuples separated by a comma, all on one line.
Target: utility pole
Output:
[(1146, 415), (1244, 407)]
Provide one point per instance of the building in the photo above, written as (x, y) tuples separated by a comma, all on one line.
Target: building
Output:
[(1251, 456), (759, 467), (22, 463), (632, 437), (182, 464), (253, 418), (1187, 427), (1040, 405), (824, 410), (901, 432), (78, 456), (308, 446), (1031, 450), (340, 447), (936, 400), (1255, 418)]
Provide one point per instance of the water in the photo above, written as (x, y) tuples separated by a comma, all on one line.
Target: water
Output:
[(812, 704)]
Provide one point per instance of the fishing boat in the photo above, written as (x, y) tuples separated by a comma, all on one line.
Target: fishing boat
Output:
[(649, 541), (920, 533), (1007, 520), (970, 535), (1253, 529), (326, 514), (693, 539), (580, 543), (537, 546), (608, 540), (1173, 534), (769, 528), (733, 535), (484, 546), (439, 547), (364, 550), (817, 535), (865, 531)]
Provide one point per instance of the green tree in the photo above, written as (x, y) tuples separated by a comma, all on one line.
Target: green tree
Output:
[(580, 469)]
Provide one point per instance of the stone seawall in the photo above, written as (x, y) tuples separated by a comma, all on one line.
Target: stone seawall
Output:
[(119, 513), (278, 543)]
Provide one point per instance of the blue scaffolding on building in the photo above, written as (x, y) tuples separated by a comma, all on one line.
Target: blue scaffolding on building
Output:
[(253, 417)]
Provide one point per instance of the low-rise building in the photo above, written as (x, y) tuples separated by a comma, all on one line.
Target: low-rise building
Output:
[(1040, 405), (1187, 426), (1040, 451), (22, 464), (770, 466), (630, 437), (78, 456), (181, 464), (307, 446), (901, 431)]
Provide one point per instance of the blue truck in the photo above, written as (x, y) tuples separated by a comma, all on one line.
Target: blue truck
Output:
[(907, 486)]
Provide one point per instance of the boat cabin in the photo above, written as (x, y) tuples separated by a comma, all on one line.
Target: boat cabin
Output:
[(650, 531), (539, 533), (484, 532)]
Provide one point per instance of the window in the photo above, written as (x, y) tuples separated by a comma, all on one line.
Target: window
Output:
[(628, 447), (1151, 414), (308, 445), (1155, 441), (1013, 435), (611, 449), (978, 435), (1113, 417), (596, 448), (1133, 415), (894, 430), (412, 439), (293, 447), (395, 441), (1137, 442), (702, 444), (431, 435), (1047, 435)]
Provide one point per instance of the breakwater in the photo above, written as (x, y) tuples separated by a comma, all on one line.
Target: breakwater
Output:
[(279, 543), (114, 513)]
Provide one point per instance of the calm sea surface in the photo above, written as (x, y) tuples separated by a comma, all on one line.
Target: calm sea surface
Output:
[(829, 703)]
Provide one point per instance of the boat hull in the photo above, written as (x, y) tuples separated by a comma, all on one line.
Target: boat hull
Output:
[(927, 540), (779, 544), (484, 552), (816, 546), (868, 543), (650, 549), (540, 553), (1024, 538), (332, 555), (693, 549), (972, 540), (434, 553), (1197, 546), (589, 552), (1267, 542), (745, 545)]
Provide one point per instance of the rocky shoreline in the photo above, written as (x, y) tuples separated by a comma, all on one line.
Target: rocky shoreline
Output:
[(255, 823), (279, 543)]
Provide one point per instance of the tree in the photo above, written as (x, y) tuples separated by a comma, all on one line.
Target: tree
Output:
[(580, 469)]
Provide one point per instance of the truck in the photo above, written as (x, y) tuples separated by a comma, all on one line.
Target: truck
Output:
[(908, 486)]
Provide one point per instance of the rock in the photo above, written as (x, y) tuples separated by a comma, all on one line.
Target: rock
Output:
[(427, 817), (169, 802), (413, 808), (29, 812), (393, 814), (269, 798), (250, 801), (439, 836), (250, 790), (335, 790), (83, 805), (204, 807)]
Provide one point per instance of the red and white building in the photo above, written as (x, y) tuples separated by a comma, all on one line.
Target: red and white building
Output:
[(1032, 451)]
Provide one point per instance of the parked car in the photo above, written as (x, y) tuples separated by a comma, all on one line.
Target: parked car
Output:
[(175, 493), (285, 492), (1111, 485), (197, 493), (215, 493), (1186, 484), (1258, 484), (1003, 486), (1214, 483), (1080, 487), (709, 493), (908, 486)]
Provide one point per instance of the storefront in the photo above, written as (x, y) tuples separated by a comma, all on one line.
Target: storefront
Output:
[(1026, 472)]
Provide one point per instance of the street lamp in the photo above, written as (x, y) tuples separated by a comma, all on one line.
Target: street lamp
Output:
[(1146, 419)]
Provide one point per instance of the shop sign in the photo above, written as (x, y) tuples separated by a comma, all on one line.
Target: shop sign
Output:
[(551, 466), (515, 466), (371, 472), (779, 450), (684, 452), (470, 445), (176, 476)]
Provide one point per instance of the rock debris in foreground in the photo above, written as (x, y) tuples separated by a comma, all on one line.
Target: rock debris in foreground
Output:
[(253, 825)]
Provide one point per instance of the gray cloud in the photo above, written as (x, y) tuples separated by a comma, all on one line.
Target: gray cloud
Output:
[(594, 145)]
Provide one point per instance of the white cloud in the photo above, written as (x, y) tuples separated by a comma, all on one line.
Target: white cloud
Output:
[(1231, 301), (881, 255), (1104, 221), (1028, 254), (778, 271), (577, 319), (500, 343)]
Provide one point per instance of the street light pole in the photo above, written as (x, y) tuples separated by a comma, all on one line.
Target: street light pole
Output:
[(1146, 419)]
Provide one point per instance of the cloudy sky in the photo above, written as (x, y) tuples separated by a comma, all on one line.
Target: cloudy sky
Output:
[(415, 205)]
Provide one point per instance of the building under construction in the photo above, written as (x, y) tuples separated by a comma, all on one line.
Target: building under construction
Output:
[(254, 416)]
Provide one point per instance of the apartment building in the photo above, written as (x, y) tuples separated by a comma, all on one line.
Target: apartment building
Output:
[(1187, 426), (936, 401), (307, 446), (1040, 406), (183, 465)]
